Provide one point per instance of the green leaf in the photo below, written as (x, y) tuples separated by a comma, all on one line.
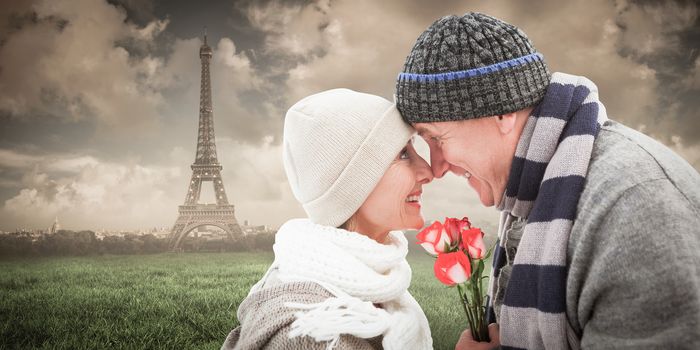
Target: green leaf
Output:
[(428, 254), (480, 268), (488, 253)]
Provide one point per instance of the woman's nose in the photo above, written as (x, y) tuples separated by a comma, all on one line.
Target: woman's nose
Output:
[(423, 172)]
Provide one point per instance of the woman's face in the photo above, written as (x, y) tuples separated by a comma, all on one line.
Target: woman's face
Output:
[(395, 203)]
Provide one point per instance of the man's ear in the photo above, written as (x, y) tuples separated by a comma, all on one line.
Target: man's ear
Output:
[(506, 122)]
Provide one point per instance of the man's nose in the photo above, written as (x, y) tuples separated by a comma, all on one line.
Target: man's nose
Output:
[(438, 164)]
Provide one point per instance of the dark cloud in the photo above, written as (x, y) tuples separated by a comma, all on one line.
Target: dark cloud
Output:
[(101, 116), (74, 71), (138, 11), (664, 35), (14, 14)]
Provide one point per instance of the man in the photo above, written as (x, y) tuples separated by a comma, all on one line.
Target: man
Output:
[(599, 237)]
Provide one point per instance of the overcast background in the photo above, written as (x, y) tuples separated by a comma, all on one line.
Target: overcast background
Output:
[(99, 99)]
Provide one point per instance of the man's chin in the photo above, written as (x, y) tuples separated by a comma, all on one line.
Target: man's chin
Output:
[(485, 199), (487, 203)]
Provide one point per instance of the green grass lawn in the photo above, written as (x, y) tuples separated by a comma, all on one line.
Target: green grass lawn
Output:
[(163, 301)]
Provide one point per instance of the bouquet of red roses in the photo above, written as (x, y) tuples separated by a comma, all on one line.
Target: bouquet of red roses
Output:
[(460, 253)]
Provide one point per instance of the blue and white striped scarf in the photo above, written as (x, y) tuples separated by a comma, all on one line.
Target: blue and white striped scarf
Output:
[(546, 180)]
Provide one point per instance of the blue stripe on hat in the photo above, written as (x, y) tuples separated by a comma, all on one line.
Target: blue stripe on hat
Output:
[(474, 72)]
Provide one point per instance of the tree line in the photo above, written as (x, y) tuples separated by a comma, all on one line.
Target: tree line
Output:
[(69, 243)]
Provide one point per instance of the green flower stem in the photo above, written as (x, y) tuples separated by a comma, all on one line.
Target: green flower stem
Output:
[(479, 310), (465, 302)]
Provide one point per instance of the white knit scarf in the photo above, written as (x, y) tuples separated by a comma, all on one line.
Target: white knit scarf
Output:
[(359, 272)]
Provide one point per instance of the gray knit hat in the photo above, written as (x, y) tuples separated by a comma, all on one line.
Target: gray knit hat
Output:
[(469, 67)]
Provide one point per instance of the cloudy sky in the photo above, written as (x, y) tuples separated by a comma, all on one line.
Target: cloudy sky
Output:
[(99, 99)]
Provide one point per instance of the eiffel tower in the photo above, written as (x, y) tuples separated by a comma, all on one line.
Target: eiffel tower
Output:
[(206, 167)]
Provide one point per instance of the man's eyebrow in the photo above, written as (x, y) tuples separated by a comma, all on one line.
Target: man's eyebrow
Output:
[(421, 131)]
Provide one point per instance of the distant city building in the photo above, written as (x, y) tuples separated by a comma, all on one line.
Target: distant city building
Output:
[(249, 229), (255, 229), (54, 227)]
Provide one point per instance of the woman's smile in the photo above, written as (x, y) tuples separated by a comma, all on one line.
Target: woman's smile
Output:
[(413, 199)]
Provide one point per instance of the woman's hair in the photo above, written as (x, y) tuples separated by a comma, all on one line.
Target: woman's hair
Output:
[(349, 224)]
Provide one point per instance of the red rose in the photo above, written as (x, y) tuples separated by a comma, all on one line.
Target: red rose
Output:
[(457, 245), (452, 268), (464, 224), (452, 226), (473, 241), (434, 238)]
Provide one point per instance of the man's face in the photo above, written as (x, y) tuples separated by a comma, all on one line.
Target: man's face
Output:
[(470, 149)]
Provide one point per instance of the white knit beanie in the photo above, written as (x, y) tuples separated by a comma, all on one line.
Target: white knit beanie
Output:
[(337, 146)]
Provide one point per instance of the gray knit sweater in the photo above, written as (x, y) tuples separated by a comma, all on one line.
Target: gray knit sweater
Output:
[(266, 322), (634, 248)]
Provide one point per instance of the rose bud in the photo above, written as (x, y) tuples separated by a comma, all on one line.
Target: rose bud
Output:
[(464, 224), (434, 238), (452, 268), (473, 242), (452, 228)]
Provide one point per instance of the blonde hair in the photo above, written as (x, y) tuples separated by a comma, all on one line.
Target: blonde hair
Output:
[(349, 224)]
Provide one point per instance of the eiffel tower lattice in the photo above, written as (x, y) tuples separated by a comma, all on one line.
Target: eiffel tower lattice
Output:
[(206, 168)]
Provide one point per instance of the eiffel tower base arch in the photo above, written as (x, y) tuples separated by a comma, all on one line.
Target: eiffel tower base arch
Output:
[(193, 216)]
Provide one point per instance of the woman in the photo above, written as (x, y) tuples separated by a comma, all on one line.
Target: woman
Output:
[(340, 277)]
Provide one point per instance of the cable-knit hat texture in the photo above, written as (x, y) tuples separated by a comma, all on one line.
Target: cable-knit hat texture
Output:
[(469, 67), (337, 146)]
